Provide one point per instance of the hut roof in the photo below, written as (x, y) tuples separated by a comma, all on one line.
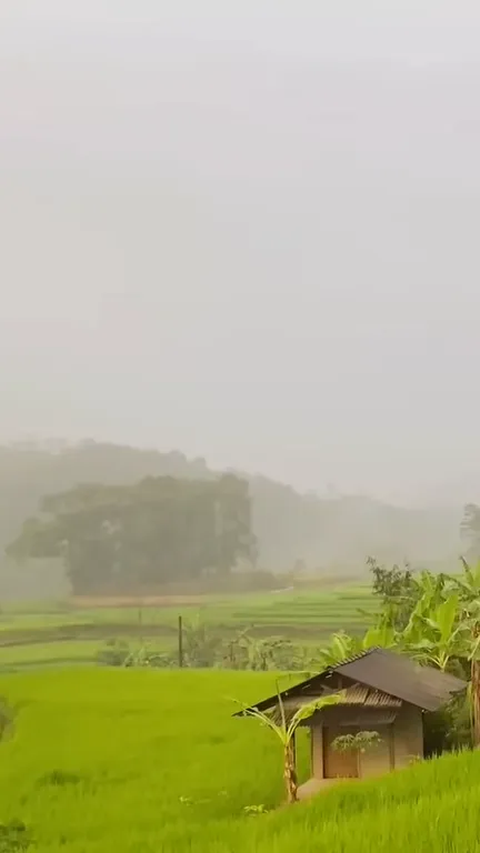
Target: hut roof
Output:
[(374, 678), (354, 699)]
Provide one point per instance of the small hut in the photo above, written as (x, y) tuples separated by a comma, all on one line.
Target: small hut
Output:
[(381, 692)]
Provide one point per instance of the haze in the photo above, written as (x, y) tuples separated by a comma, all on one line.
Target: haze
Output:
[(248, 231)]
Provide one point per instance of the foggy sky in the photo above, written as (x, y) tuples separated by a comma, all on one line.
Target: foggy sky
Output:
[(247, 230)]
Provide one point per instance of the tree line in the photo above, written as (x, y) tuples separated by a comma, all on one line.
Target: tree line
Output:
[(332, 532), (125, 538)]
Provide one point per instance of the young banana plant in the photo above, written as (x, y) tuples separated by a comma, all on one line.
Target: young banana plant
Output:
[(285, 732)]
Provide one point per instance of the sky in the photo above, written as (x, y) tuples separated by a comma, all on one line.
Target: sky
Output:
[(248, 231)]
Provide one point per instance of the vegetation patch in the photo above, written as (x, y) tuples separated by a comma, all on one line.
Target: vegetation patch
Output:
[(14, 836), (60, 778)]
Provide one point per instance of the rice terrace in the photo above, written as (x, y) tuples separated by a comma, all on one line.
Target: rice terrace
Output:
[(75, 629), (112, 747)]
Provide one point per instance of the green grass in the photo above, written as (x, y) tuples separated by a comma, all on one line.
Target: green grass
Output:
[(130, 744), (138, 761), (431, 807), (236, 611), (305, 617), (64, 652)]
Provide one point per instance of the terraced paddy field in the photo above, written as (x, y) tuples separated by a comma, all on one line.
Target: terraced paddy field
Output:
[(149, 761), (60, 632)]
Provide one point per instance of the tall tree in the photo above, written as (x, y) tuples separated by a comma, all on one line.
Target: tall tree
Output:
[(470, 529), (126, 537)]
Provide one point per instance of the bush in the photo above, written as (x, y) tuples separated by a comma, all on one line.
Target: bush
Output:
[(14, 837), (114, 653), (448, 729)]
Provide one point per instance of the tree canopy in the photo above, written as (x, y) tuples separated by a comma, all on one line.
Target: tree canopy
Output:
[(126, 537), (291, 528), (470, 529)]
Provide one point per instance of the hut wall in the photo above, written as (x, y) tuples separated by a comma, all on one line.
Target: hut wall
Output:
[(380, 758), (317, 751), (408, 735), (401, 741)]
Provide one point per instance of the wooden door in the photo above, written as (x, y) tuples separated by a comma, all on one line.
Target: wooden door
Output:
[(336, 764)]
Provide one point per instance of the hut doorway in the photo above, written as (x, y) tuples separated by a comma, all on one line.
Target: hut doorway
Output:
[(338, 764)]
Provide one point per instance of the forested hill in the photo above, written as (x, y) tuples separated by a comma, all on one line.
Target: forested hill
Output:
[(323, 532)]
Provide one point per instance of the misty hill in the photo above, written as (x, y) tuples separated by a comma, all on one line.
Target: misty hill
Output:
[(325, 532)]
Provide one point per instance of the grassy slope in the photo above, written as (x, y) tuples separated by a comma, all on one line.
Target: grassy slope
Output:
[(136, 742)]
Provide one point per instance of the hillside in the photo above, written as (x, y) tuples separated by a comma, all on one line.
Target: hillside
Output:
[(324, 532), (181, 781)]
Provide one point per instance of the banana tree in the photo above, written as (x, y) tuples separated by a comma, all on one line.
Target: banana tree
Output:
[(437, 636), (340, 647), (343, 646), (285, 731), (448, 634), (468, 585)]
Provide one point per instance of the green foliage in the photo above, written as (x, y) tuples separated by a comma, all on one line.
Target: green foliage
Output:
[(437, 636), (120, 653), (287, 525), (266, 653), (253, 811), (394, 583), (14, 837), (7, 718), (449, 728), (400, 591), (397, 590), (360, 742), (202, 647), (342, 645), (114, 653), (115, 538), (286, 728), (60, 778)]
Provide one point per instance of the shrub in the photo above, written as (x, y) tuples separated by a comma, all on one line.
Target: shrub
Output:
[(114, 653), (14, 837)]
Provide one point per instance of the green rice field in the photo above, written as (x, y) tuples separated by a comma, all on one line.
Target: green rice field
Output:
[(145, 761), (62, 632)]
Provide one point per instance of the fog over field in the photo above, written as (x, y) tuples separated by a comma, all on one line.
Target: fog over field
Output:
[(247, 233)]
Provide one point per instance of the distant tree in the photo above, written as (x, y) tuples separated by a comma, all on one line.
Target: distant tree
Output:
[(299, 567), (126, 537), (470, 529), (397, 590), (286, 523)]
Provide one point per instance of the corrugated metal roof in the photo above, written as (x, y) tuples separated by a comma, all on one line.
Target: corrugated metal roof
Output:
[(386, 675), (356, 701), (357, 694), (360, 694), (423, 686)]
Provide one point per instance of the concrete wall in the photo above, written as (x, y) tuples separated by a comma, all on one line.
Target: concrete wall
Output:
[(408, 728), (317, 751), (379, 759), (401, 742)]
